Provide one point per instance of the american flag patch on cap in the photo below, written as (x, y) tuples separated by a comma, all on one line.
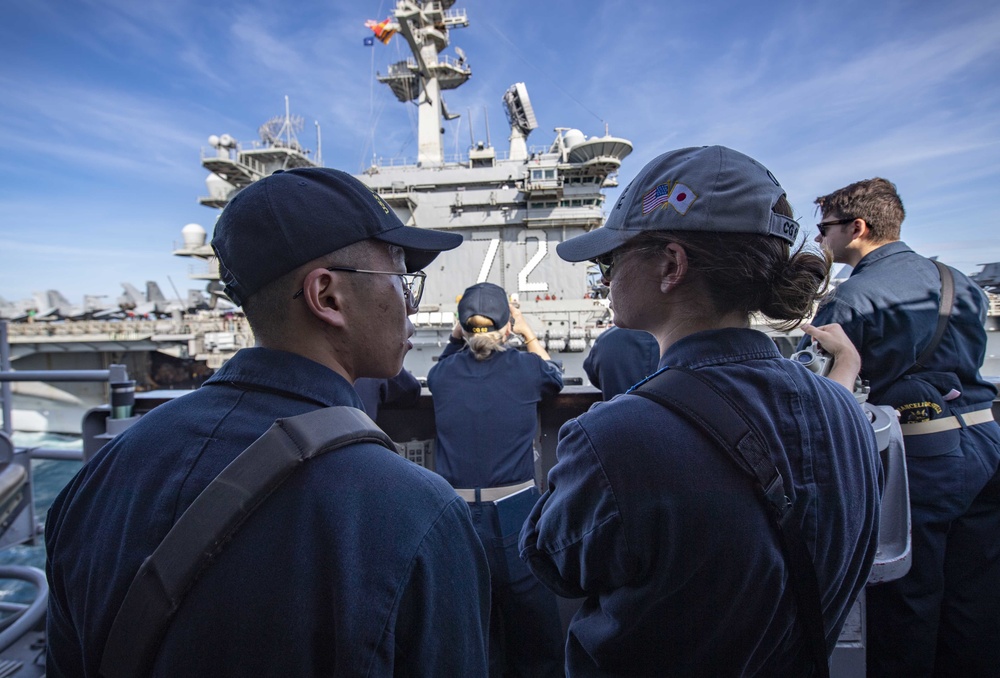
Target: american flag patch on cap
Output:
[(655, 198)]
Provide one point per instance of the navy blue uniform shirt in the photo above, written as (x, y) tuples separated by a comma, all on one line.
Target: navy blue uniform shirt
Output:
[(486, 417), (889, 309), (670, 543), (361, 564), (486, 412), (403, 390), (621, 358), (943, 616)]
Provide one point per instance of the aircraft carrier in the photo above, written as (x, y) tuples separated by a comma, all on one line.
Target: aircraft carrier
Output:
[(512, 205)]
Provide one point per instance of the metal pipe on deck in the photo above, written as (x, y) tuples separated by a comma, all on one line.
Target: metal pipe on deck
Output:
[(35, 612), (52, 453), (113, 375)]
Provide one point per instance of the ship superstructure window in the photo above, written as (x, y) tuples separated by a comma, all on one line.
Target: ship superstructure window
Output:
[(543, 174)]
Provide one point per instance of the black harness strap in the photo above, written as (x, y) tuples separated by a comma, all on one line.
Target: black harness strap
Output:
[(212, 519), (718, 416), (944, 312)]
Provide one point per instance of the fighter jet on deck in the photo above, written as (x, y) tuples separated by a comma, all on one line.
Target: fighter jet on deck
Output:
[(52, 305)]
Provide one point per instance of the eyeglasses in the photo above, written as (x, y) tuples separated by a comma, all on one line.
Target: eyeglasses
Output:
[(413, 283), (605, 264), (824, 225)]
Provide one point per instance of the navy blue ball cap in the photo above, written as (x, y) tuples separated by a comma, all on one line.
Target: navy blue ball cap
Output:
[(924, 397), (292, 217), (708, 188), (486, 300)]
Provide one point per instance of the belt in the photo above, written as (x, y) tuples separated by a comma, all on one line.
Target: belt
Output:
[(492, 493), (948, 423)]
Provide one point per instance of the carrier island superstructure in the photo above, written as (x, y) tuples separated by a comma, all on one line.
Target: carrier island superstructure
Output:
[(512, 206)]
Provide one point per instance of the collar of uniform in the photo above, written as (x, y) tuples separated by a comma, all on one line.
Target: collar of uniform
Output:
[(887, 250), (290, 373), (714, 347)]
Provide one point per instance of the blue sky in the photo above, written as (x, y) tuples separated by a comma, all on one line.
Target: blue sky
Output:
[(107, 104)]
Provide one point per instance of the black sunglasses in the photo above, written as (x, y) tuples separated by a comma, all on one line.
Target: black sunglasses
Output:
[(605, 263), (824, 225)]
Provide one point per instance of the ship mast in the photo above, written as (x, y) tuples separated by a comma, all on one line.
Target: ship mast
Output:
[(425, 27)]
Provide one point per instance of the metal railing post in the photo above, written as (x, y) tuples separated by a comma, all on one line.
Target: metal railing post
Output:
[(5, 389)]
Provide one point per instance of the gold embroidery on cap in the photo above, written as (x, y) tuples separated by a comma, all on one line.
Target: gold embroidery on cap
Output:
[(479, 324), (378, 199), (912, 413)]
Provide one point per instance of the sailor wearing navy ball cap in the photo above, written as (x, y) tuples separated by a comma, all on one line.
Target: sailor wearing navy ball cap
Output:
[(360, 561), (486, 396)]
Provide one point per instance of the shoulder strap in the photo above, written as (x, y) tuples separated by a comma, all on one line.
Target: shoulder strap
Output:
[(212, 519), (719, 417), (944, 312)]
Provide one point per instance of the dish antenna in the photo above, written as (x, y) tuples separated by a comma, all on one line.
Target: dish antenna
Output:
[(521, 117)]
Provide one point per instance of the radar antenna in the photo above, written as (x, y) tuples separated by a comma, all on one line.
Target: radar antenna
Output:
[(281, 129), (520, 113), (521, 117)]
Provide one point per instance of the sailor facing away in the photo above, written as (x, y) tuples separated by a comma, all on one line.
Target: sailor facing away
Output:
[(361, 562), (621, 358), (665, 537), (403, 390), (486, 399)]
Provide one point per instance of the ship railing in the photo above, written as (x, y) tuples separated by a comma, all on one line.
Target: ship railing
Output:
[(122, 397), (403, 68), (254, 166), (455, 17), (451, 62), (17, 501), (245, 163), (130, 329), (116, 376), (205, 269), (408, 66), (456, 159)]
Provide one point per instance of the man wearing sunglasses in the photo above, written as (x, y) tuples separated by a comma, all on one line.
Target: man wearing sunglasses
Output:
[(943, 618), (361, 562)]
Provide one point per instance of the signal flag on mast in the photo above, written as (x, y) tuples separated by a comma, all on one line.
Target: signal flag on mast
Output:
[(383, 30)]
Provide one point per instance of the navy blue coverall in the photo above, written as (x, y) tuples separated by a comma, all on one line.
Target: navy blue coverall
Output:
[(403, 390), (670, 542), (943, 618), (621, 358), (360, 564), (486, 417)]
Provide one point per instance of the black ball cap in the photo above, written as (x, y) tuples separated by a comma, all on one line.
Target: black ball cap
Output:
[(285, 220), (486, 300)]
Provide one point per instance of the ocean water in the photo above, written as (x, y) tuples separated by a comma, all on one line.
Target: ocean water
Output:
[(49, 477)]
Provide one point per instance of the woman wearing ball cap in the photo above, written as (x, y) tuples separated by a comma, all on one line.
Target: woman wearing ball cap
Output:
[(646, 517), (485, 406)]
